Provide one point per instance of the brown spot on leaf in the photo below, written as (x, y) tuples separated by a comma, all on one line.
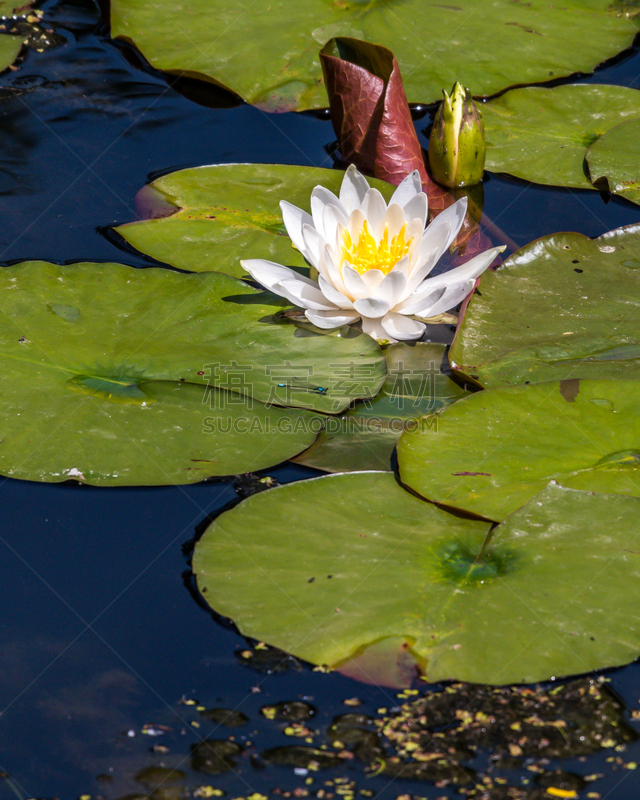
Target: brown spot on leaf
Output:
[(472, 473), (569, 389)]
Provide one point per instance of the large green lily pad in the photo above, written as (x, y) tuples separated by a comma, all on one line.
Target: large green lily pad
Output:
[(564, 306), (225, 212), (493, 451), (268, 52), (365, 436), (319, 568), (106, 374), (550, 593), (542, 135), (614, 161)]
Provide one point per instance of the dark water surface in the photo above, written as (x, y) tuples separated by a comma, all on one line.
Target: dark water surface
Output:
[(99, 634)]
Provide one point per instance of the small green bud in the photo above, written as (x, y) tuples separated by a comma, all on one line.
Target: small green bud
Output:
[(456, 146)]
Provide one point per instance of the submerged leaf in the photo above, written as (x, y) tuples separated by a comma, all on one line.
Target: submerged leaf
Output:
[(366, 435)]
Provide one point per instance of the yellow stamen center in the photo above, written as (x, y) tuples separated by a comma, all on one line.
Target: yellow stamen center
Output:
[(367, 254)]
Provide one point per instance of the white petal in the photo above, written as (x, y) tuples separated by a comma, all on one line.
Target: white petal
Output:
[(392, 287), (353, 190), (329, 268), (436, 239), (451, 218), (333, 222), (469, 271), (314, 244), (321, 197), (328, 319), (373, 278), (294, 218), (373, 307), (353, 282), (354, 226), (269, 274), (374, 208), (451, 297), (403, 265), (400, 327), (408, 189), (417, 208), (332, 294), (394, 219), (305, 296), (373, 328), (423, 297)]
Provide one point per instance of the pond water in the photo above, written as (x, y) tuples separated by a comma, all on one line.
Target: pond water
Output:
[(101, 635)]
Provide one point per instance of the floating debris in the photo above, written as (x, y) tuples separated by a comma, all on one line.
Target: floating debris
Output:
[(224, 716)]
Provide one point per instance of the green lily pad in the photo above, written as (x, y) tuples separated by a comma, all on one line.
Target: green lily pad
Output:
[(324, 585), (490, 453), (220, 331), (520, 605), (614, 161), (365, 436), (564, 306), (225, 212), (107, 372), (542, 135), (268, 53), (10, 47)]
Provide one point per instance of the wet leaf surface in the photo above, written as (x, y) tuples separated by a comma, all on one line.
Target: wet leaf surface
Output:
[(492, 452), (491, 743), (270, 56), (511, 724), (524, 605), (291, 710), (614, 161), (215, 756), (107, 369), (151, 776), (542, 135), (575, 316), (225, 716), (10, 45), (298, 755)]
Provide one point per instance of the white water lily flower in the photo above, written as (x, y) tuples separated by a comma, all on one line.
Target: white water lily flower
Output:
[(372, 259)]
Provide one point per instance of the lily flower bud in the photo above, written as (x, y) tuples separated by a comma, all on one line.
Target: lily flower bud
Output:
[(456, 145)]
